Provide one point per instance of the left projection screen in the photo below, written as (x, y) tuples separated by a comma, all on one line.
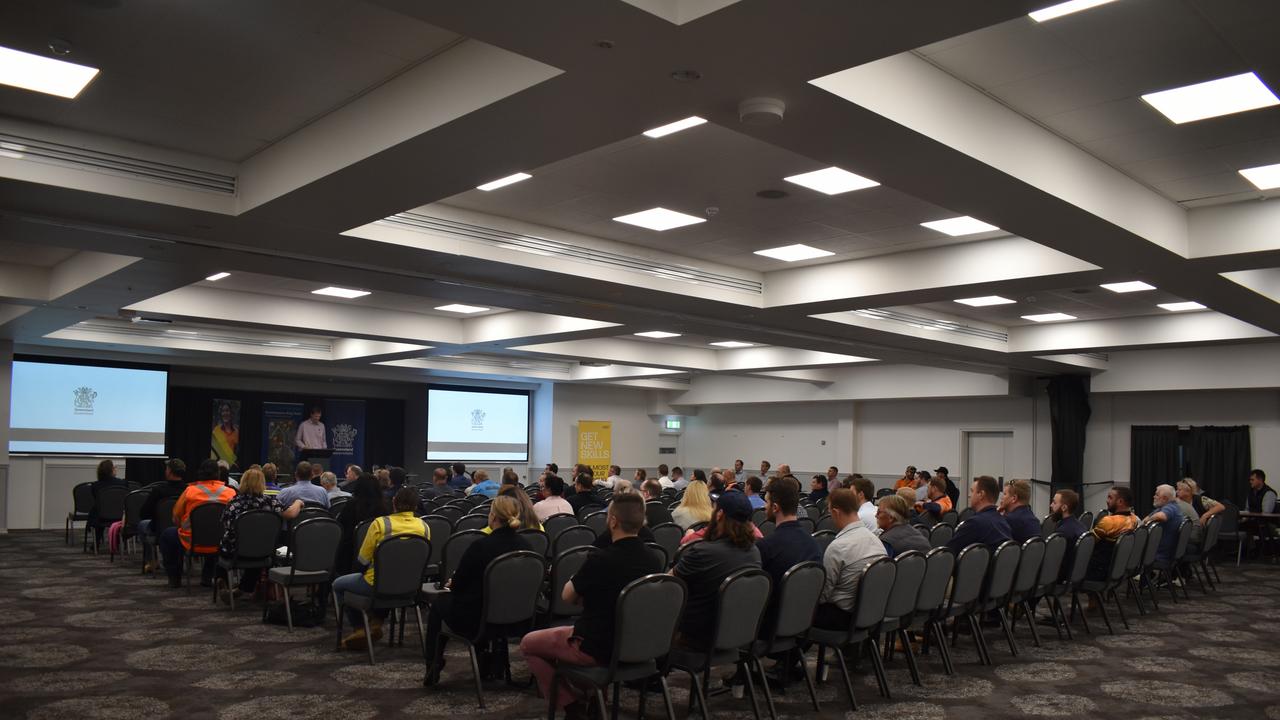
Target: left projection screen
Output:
[(65, 409)]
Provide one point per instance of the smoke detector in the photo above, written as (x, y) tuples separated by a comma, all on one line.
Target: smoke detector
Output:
[(761, 111)]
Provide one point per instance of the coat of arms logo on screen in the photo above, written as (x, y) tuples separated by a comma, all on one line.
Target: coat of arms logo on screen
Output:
[(477, 419), (84, 397), (344, 438)]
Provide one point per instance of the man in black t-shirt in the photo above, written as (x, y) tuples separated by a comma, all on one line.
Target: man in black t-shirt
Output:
[(596, 587), (175, 476), (584, 495)]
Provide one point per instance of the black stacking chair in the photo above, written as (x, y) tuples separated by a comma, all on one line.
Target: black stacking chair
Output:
[(1087, 518), (797, 599), (256, 535), (313, 550), (766, 528), (940, 564), (1055, 551), (109, 509), (996, 593), (1102, 589), (901, 606), (473, 521), (1170, 569), (206, 531), (941, 534), (81, 504), (1025, 582), (758, 516), (824, 538), (660, 556), (162, 521), (1075, 577), (1141, 540), (132, 514), (826, 522), (868, 612), (668, 536), (555, 611), (398, 564), (572, 537), (598, 521), (966, 590), (1048, 526), (441, 530), (537, 540), (656, 513), (1155, 533), (1198, 560), (557, 524)]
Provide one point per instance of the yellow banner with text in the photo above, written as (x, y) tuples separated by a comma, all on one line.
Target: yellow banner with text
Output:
[(595, 445)]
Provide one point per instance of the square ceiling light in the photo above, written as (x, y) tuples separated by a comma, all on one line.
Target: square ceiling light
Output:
[(459, 308), (659, 219), (1066, 8), (957, 226), (218, 276), (985, 300), (1223, 96), (832, 181), (733, 344), (794, 253), (43, 74), (1182, 306), (658, 334), (1128, 287), (1264, 177), (503, 182), (674, 127), (341, 292), (1049, 317)]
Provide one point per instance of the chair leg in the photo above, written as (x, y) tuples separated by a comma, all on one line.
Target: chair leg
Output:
[(939, 635), (1102, 608), (1151, 593), (751, 690), (1084, 616), (616, 692), (288, 615), (599, 702), (979, 641), (422, 635), (368, 635), (666, 698), (337, 616), (552, 692), (1031, 621), (697, 690), (1137, 597), (848, 684), (1059, 617), (910, 655), (768, 694), (1204, 567), (475, 673), (1120, 608), (878, 665), (1008, 632)]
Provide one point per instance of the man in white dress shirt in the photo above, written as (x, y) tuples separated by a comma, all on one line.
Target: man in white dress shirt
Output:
[(311, 435)]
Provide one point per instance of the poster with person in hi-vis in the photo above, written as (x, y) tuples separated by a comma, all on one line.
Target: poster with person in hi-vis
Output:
[(225, 439)]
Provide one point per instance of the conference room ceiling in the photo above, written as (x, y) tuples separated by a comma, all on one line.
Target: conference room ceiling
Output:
[(300, 145)]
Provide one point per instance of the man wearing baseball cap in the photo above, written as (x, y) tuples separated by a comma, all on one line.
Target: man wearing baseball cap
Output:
[(953, 492), (728, 546)]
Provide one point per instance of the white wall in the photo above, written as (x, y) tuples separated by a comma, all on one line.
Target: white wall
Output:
[(635, 432), (808, 436)]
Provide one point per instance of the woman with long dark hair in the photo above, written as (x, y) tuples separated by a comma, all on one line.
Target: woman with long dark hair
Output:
[(367, 502)]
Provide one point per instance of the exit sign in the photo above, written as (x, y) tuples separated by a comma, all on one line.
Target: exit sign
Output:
[(673, 424)]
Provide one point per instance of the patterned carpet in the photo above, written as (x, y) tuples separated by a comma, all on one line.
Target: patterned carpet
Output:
[(84, 638)]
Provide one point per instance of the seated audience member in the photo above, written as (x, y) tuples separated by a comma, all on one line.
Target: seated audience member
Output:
[(250, 497), (352, 474), (1023, 523), (614, 479), (1119, 520), (596, 586), (678, 480), (695, 507), (908, 494), (554, 504), (176, 540), (833, 476), (461, 607), (986, 525), (737, 466), (1169, 516), (1206, 507), (224, 474), (106, 478), (655, 509), (1261, 499), (728, 547), (303, 489), (764, 468), (367, 504), (1063, 509), (1183, 495), (783, 470), (936, 503), (908, 479), (316, 470), (753, 488), (401, 521), (818, 489), (175, 482), (510, 477), (953, 492), (637, 479), (552, 468), (585, 495), (459, 481), (329, 482), (482, 485), (853, 549), (528, 516), (789, 545), (922, 486), (439, 485), (664, 477), (865, 491), (897, 534), (269, 471), (729, 479)]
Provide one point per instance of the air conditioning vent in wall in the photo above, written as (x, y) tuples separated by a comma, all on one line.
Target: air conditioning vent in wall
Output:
[(17, 147)]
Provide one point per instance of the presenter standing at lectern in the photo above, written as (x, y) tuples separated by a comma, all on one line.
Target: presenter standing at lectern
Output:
[(311, 435)]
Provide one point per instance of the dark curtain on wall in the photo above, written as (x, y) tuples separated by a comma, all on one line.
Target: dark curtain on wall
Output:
[(1069, 416), (1220, 459), (1153, 460)]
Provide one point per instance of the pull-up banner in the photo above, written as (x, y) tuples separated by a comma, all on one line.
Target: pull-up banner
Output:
[(224, 441), (279, 426), (595, 445), (344, 421)]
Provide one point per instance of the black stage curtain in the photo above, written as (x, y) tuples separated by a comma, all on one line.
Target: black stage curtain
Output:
[(1220, 459), (1069, 416), (1153, 460)]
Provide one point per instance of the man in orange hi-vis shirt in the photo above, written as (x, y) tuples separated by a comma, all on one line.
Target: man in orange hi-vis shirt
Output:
[(176, 540), (938, 502)]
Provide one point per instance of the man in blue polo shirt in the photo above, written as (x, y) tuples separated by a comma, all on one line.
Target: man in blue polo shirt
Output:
[(1015, 506), (986, 525), (1168, 515)]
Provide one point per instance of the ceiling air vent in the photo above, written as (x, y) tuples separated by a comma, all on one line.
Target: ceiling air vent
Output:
[(17, 147)]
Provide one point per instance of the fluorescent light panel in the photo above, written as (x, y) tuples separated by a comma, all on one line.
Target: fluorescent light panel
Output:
[(1264, 177), (459, 308), (658, 334), (659, 219), (218, 276), (794, 253), (341, 292), (733, 344), (985, 300), (1066, 8), (1181, 306), (1128, 287), (43, 74), (503, 182), (1223, 96), (675, 127), (1048, 317), (832, 181), (957, 226)]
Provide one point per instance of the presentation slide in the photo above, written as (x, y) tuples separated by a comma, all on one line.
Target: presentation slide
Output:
[(58, 409), (477, 426)]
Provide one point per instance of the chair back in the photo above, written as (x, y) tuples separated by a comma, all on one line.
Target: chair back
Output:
[(1087, 519), (951, 517), (1096, 517), (668, 536), (1120, 561), (336, 505), (971, 569), (598, 521), (1155, 533), (811, 511), (133, 508), (680, 551), (766, 528), (1184, 539), (906, 585), (450, 512), (1230, 518), (82, 498), (826, 522), (361, 530), (441, 530), (558, 523), (1004, 566), (1211, 529), (965, 514), (874, 590), (660, 556), (1055, 551), (309, 512), (477, 499), (758, 516), (1048, 526), (941, 534), (743, 597), (940, 563), (163, 519), (111, 503), (314, 544), (257, 532), (572, 537), (454, 550), (537, 540), (399, 563), (1029, 562), (646, 617), (798, 596), (471, 522), (563, 568), (809, 524), (824, 539), (1141, 538), (511, 584), (655, 513), (206, 523), (1080, 559)]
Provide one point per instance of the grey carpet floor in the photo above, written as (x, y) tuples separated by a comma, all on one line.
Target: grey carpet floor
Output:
[(81, 637)]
